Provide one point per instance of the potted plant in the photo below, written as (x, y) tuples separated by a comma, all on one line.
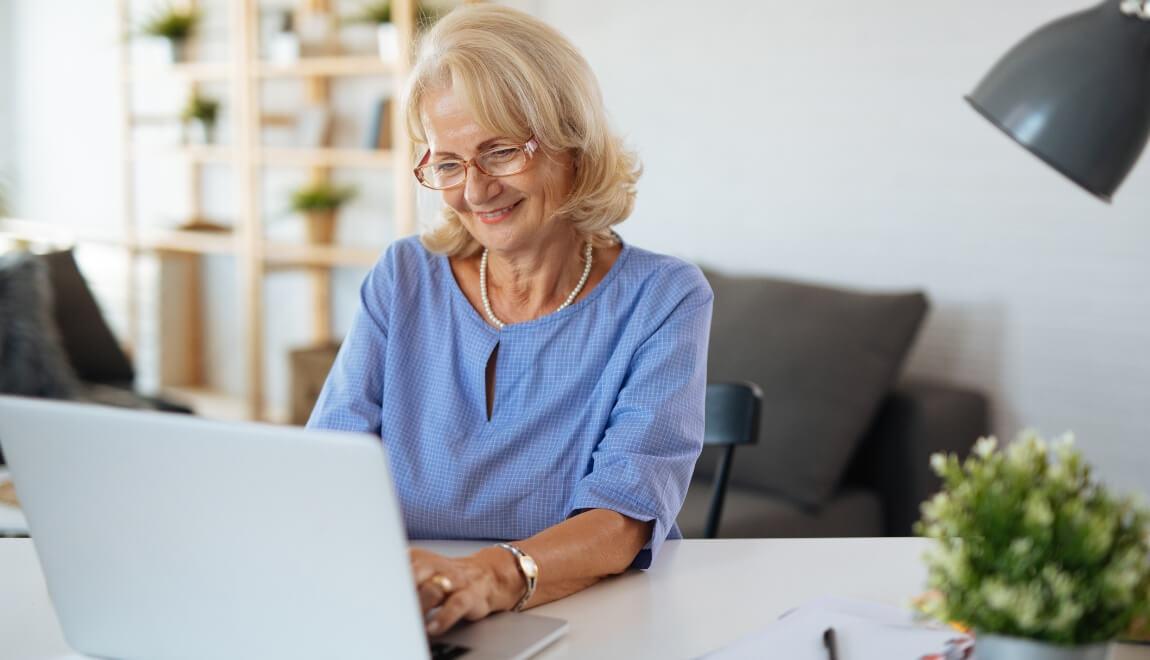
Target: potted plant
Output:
[(320, 202), (379, 14), (1033, 554), (204, 111), (176, 25)]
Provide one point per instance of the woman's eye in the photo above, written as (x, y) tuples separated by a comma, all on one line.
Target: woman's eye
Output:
[(502, 154), (445, 169)]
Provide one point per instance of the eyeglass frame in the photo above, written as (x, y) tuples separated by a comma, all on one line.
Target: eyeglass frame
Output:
[(529, 148)]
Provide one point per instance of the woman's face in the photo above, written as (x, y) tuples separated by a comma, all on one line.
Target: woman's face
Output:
[(505, 214)]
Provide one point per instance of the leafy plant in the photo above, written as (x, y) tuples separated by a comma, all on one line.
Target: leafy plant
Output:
[(375, 12), (380, 12), (321, 196), (201, 108), (171, 22), (1029, 545)]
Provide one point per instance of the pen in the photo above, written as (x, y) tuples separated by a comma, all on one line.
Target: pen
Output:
[(829, 643)]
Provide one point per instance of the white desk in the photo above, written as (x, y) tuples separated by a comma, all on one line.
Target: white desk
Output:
[(700, 596)]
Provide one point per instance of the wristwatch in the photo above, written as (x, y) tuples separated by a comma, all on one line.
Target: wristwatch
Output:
[(528, 569)]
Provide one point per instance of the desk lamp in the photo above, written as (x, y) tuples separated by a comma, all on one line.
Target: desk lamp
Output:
[(1076, 93)]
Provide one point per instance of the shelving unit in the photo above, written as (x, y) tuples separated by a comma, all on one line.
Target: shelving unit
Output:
[(255, 255)]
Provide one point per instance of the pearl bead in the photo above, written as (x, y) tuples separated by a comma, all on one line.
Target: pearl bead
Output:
[(570, 299)]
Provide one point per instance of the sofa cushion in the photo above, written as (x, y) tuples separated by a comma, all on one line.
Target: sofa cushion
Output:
[(824, 358), (32, 362), (754, 514), (91, 347)]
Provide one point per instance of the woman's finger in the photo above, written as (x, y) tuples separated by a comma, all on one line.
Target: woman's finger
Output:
[(424, 564), (463, 603), (430, 596)]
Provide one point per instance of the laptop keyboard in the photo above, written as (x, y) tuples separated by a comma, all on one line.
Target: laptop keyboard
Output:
[(445, 651)]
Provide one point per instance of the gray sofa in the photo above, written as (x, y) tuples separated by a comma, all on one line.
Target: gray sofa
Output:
[(844, 447), (54, 341)]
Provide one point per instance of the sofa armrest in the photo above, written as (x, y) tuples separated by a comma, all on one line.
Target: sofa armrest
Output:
[(915, 421)]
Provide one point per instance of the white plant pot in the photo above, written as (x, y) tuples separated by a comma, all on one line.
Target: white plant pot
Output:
[(177, 51), (995, 647), (388, 37)]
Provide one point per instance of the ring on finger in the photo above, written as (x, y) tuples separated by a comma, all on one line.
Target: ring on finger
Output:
[(443, 582)]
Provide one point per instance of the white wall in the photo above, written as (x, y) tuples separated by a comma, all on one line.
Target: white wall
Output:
[(830, 142), (822, 141)]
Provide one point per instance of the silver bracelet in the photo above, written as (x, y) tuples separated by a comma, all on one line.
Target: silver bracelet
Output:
[(527, 568)]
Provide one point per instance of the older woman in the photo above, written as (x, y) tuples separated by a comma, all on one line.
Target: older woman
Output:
[(534, 378)]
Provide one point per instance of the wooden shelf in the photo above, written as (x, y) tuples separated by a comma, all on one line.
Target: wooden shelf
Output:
[(185, 71), (213, 404), (192, 242), (325, 157), (297, 254), (51, 235), (239, 81), (339, 65), (195, 153)]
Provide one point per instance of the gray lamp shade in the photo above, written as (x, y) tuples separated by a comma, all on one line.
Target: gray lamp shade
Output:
[(1076, 93)]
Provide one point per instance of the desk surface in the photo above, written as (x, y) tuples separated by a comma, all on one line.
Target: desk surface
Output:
[(700, 596)]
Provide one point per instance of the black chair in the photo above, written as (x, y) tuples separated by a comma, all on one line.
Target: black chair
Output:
[(732, 419)]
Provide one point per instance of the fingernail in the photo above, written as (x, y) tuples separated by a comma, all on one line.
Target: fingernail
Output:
[(433, 627)]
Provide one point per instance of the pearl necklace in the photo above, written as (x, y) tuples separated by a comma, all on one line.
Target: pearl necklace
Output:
[(570, 299)]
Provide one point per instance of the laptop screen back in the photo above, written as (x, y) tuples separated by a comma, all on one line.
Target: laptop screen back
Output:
[(167, 536)]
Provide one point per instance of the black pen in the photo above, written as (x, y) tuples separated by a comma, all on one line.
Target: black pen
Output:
[(829, 643)]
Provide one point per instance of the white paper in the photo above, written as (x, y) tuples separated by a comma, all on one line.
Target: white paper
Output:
[(863, 631)]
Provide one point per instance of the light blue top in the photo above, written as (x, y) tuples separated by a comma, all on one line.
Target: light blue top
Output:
[(597, 406)]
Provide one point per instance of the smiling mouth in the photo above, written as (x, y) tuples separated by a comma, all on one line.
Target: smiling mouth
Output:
[(497, 215)]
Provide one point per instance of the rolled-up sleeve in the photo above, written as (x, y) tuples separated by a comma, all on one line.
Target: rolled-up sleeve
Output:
[(642, 466), (352, 395)]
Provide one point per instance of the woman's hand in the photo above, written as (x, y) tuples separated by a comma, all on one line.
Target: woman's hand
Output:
[(469, 587)]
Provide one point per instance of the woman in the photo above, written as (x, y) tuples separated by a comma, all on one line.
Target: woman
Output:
[(532, 377)]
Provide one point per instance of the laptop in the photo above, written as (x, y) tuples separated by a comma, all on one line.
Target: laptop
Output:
[(168, 536)]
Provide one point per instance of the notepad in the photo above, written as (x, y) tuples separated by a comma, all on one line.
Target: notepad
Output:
[(863, 631)]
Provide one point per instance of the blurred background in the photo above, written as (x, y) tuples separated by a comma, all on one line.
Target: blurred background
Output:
[(824, 142)]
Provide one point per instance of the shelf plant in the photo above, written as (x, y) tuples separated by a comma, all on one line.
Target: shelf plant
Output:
[(204, 110), (379, 14), (1033, 553), (175, 24), (319, 202)]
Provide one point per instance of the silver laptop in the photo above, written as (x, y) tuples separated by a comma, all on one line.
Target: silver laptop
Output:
[(167, 536)]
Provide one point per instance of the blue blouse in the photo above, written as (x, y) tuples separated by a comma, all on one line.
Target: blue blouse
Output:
[(597, 406)]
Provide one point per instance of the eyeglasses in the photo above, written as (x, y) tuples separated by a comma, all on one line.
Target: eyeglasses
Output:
[(497, 161)]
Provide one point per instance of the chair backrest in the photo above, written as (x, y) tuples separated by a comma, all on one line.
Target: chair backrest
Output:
[(732, 419), (732, 416)]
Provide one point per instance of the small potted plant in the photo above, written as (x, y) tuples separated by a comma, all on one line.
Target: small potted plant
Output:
[(204, 111), (379, 14), (319, 202), (1033, 554), (176, 25)]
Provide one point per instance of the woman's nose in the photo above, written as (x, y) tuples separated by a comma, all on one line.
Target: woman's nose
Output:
[(478, 188)]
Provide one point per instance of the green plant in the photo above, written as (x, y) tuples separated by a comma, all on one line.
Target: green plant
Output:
[(321, 196), (171, 22), (1030, 545), (374, 12), (201, 108), (380, 12)]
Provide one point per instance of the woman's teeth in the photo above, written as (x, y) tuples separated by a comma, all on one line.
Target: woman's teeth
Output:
[(497, 214)]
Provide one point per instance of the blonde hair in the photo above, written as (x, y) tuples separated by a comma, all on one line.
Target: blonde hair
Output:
[(520, 77)]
